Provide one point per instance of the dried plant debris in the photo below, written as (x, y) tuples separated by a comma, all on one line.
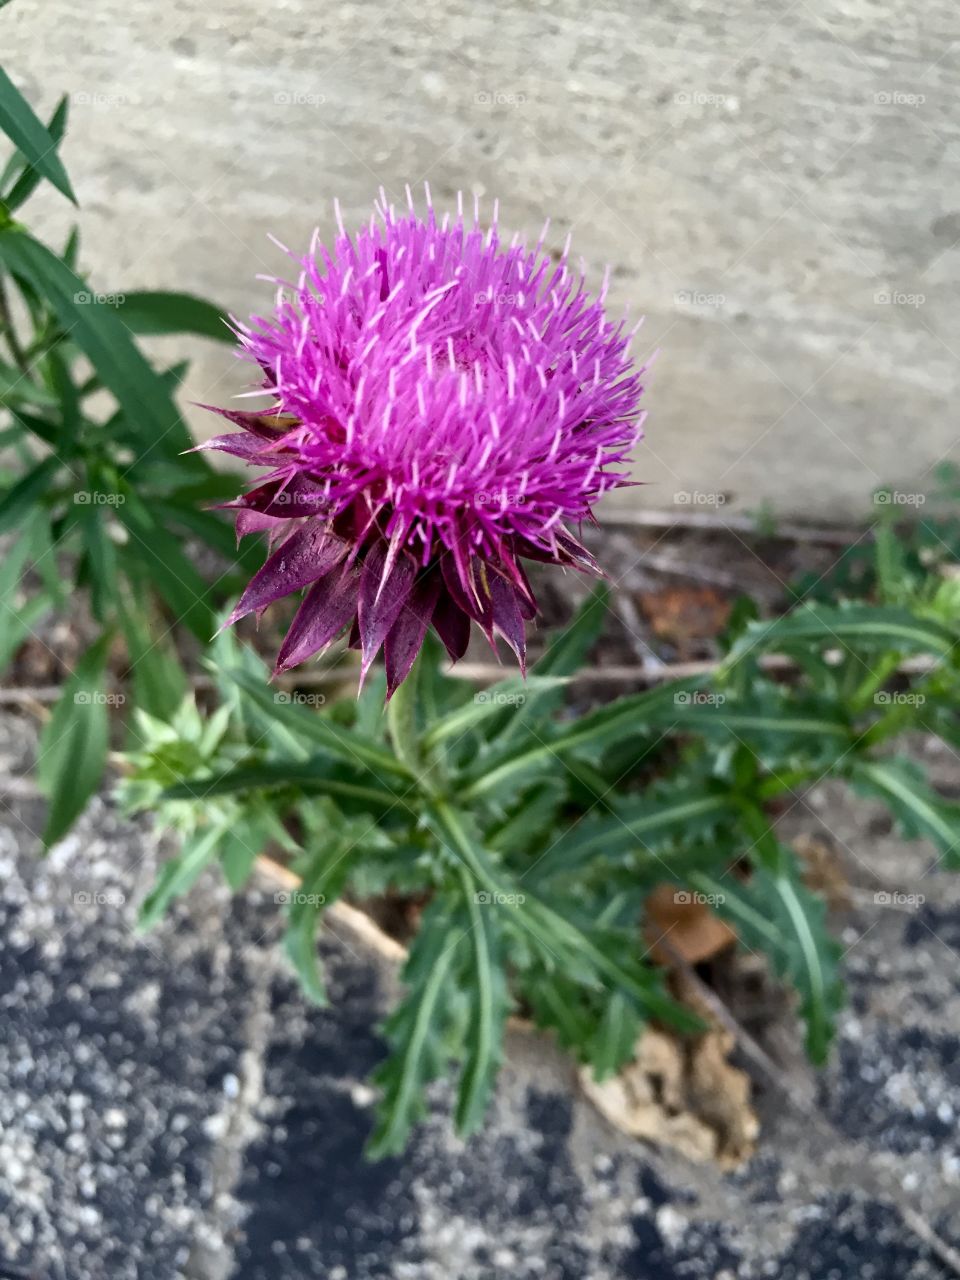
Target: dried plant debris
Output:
[(684, 1095)]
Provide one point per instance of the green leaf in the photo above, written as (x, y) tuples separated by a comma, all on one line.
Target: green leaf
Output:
[(850, 626), (555, 936), (489, 1003), (614, 1042), (568, 651), (623, 718), (101, 560), (180, 873), (17, 389), (19, 500), (18, 122), (311, 776), (30, 179), (641, 825), (323, 873), (488, 704), (422, 1032), (106, 343), (564, 656), (161, 557), (775, 913), (344, 744), (157, 312), (921, 813), (73, 745), (159, 681)]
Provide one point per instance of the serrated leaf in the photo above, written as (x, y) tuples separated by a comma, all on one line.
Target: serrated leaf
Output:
[(344, 744), (485, 985), (920, 812), (73, 744), (775, 913), (421, 1033), (488, 705), (849, 626), (25, 131), (313, 776), (639, 824), (588, 734), (180, 873)]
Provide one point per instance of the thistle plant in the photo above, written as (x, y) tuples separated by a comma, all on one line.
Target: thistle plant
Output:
[(427, 432), (442, 408)]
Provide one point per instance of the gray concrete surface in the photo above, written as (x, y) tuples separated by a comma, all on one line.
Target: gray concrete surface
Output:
[(171, 1109), (776, 186)]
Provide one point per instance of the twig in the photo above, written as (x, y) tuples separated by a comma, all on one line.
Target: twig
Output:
[(834, 537), (746, 1042)]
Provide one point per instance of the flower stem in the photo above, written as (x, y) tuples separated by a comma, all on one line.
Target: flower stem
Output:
[(402, 719)]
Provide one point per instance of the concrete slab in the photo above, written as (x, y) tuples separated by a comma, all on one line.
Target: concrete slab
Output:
[(776, 187)]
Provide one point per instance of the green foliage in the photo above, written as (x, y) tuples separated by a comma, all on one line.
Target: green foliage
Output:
[(534, 836), (102, 495)]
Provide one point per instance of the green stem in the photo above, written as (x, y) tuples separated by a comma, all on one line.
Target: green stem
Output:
[(402, 719)]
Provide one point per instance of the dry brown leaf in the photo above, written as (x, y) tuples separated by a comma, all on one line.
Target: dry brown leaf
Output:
[(686, 614), (693, 930)]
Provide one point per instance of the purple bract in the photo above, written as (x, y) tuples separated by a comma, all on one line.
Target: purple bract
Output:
[(443, 406)]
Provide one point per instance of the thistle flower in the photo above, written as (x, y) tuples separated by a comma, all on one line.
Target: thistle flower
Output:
[(444, 406)]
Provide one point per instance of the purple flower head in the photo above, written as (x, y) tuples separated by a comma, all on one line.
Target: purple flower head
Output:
[(444, 406)]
